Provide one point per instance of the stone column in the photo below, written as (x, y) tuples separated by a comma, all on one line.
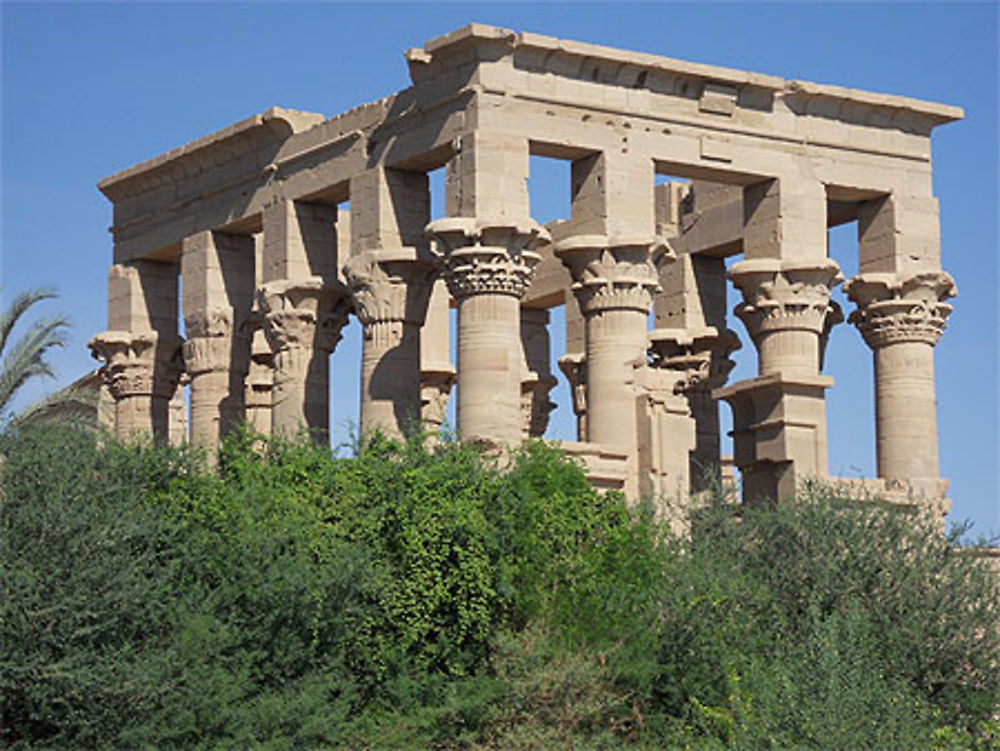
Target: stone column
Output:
[(303, 323), (217, 272), (390, 290), (537, 380), (305, 306), (488, 269), (390, 274), (437, 374), (574, 367), (486, 245), (901, 318), (141, 349), (613, 256), (779, 418)]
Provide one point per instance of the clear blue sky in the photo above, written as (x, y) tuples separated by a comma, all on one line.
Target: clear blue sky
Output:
[(89, 89)]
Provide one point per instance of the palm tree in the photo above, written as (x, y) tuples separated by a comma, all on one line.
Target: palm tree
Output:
[(24, 359)]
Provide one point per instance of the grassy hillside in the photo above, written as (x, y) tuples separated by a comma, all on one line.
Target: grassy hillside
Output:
[(415, 599)]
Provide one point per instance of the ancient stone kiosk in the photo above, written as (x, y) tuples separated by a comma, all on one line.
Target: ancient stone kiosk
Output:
[(245, 234)]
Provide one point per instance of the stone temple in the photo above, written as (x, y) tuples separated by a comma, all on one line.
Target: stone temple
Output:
[(246, 230)]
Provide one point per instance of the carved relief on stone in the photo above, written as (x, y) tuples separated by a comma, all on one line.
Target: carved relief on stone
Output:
[(391, 285), (481, 258), (895, 309), (610, 273), (303, 314), (144, 363), (435, 390), (535, 403), (781, 295)]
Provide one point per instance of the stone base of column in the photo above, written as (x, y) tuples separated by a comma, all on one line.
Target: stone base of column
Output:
[(606, 468), (926, 496), (779, 433)]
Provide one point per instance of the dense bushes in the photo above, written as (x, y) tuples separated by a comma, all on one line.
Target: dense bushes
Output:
[(415, 599)]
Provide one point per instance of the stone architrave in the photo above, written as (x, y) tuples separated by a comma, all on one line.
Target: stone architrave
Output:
[(902, 317), (303, 323), (391, 289), (141, 370), (488, 268), (613, 280)]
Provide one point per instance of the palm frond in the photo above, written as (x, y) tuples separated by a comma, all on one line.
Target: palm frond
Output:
[(18, 307), (26, 359)]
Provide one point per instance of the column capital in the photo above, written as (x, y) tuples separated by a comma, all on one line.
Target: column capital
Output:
[(143, 363), (895, 308), (783, 295), (304, 314), (700, 358), (210, 339), (613, 272), (487, 257), (535, 403), (391, 285)]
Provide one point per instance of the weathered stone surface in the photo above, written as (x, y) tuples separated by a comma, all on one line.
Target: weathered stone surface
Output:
[(769, 164)]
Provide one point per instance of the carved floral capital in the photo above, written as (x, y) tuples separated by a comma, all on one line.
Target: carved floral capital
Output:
[(144, 363), (391, 285), (614, 273), (894, 308), (787, 295), (304, 314), (487, 258)]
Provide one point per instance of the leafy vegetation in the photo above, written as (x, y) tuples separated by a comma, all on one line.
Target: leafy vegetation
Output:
[(407, 598)]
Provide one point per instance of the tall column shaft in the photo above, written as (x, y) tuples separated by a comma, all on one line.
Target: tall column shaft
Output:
[(488, 269), (489, 376), (616, 342), (905, 410), (902, 317), (303, 321), (390, 289)]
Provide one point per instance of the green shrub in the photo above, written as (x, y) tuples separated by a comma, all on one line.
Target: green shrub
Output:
[(415, 598)]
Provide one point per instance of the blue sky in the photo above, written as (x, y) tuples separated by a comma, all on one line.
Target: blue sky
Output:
[(89, 89)]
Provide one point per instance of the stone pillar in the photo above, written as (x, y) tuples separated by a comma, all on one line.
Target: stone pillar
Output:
[(779, 418), (699, 358), (537, 380), (488, 269), (613, 257), (305, 307), (901, 318), (390, 290), (141, 349), (437, 374), (217, 274), (390, 275), (259, 382), (487, 246), (303, 322), (574, 367)]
